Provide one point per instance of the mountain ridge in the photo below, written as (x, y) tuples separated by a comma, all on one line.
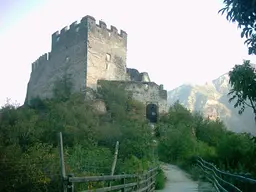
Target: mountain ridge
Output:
[(211, 99)]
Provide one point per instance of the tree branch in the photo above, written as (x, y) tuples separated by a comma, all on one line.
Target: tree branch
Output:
[(253, 106), (248, 104)]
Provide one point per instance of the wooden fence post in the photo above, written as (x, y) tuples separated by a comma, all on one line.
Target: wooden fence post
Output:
[(62, 164), (138, 182), (123, 183), (154, 178), (103, 182), (151, 173), (70, 185), (147, 182), (114, 162), (151, 179), (115, 158)]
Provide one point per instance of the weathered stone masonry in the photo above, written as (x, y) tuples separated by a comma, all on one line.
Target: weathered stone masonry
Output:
[(145, 92), (86, 50), (89, 52)]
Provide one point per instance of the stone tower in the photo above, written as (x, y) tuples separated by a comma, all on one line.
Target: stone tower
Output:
[(87, 51)]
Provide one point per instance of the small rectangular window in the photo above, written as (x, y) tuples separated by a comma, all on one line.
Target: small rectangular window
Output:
[(108, 57)]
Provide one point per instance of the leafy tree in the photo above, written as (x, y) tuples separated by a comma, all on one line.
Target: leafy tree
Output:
[(209, 131), (178, 145), (178, 114), (243, 77), (234, 150), (243, 83), (244, 13)]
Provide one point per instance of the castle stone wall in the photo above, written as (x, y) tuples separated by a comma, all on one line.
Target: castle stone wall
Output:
[(87, 51), (145, 92), (106, 54), (70, 35), (71, 61), (135, 75)]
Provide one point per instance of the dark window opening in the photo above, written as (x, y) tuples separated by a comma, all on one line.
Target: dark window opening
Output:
[(152, 112)]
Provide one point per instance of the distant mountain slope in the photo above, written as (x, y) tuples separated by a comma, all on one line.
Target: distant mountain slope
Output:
[(211, 99)]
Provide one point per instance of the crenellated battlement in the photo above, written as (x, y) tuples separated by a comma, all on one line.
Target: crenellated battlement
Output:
[(40, 61), (77, 31)]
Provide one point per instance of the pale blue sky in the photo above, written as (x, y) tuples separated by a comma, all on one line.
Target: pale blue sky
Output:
[(175, 41)]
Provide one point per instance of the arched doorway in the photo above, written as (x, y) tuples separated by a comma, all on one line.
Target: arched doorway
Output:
[(152, 112)]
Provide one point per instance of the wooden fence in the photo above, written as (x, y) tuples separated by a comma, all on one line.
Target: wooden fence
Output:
[(125, 182), (144, 182), (224, 181)]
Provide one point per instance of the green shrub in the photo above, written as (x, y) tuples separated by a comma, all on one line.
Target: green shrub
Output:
[(160, 179)]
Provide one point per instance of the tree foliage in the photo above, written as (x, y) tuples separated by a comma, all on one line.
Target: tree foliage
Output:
[(243, 12), (185, 135), (243, 87), (29, 159), (243, 77)]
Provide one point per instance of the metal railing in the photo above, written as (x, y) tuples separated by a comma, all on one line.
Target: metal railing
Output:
[(224, 181)]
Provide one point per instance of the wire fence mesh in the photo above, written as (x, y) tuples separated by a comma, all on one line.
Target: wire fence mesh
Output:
[(38, 168), (40, 175)]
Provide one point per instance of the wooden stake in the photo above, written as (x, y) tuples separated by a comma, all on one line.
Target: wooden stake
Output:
[(115, 158), (62, 163)]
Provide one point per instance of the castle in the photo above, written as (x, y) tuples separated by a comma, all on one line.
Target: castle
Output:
[(91, 53)]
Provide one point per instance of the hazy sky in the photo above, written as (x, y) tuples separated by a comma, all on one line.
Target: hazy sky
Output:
[(175, 41)]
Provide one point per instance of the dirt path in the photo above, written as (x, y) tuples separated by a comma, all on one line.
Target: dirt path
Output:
[(179, 181)]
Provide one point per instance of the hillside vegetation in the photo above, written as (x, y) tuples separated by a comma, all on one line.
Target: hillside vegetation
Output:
[(183, 136), (29, 159)]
